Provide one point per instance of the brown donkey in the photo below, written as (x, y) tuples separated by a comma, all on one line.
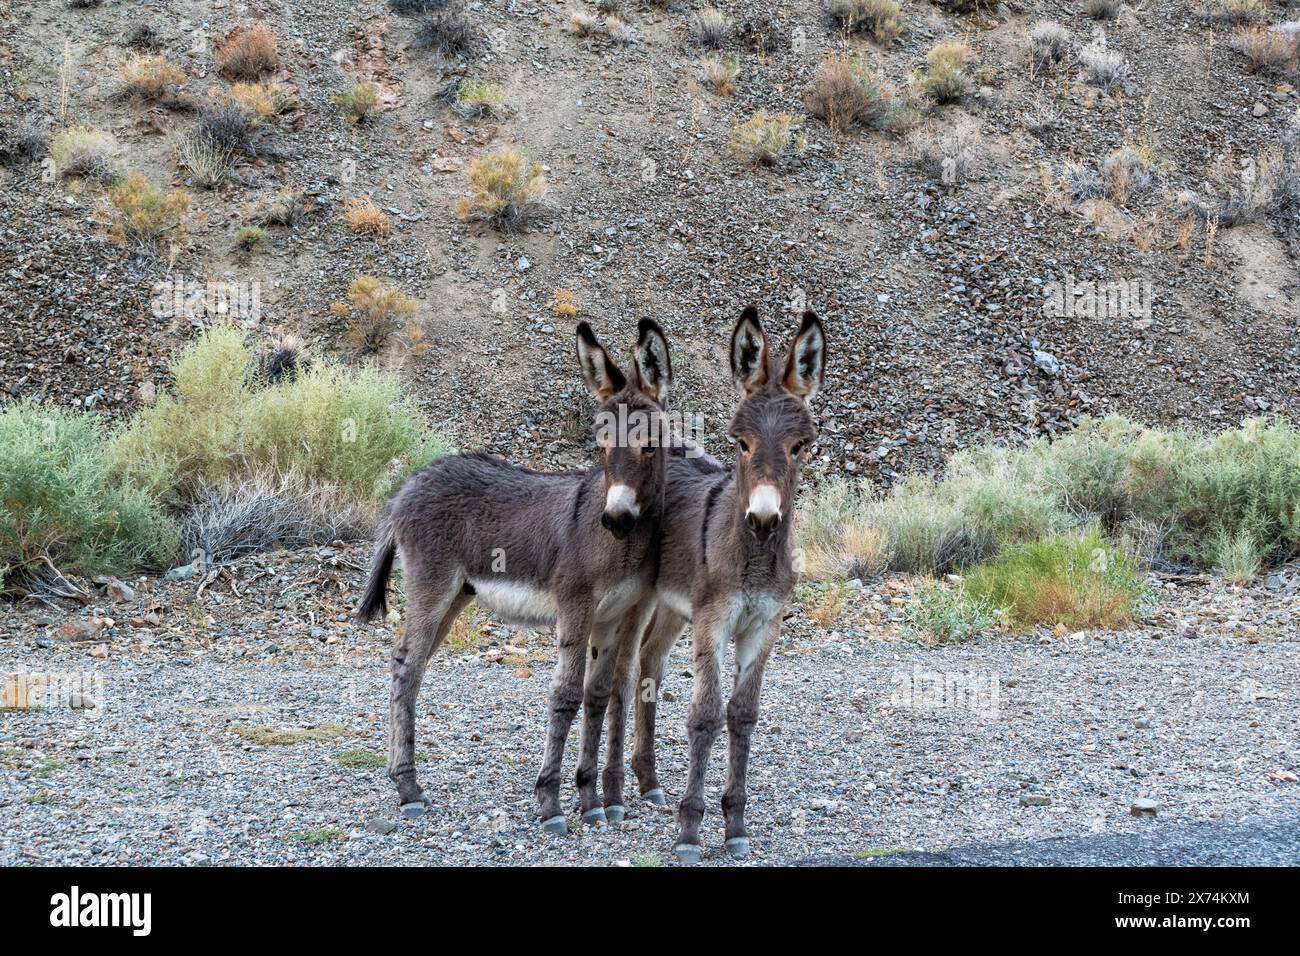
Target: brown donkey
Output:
[(726, 565), (530, 546)]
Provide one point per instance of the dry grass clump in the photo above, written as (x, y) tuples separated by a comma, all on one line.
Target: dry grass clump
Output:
[(247, 52), (1128, 172), (1079, 581), (379, 315), (584, 24), (504, 187), (145, 38), (358, 101), (1102, 9), (415, 8), (86, 153), (712, 29), (621, 32), (266, 99), (1236, 11), (447, 34), (365, 218), (230, 126), (249, 238), (142, 214), (720, 73), (269, 510), (766, 138), (1103, 67), (479, 98), (879, 19), (837, 536), (1267, 50), (948, 159), (845, 93), (289, 208), (1235, 196), (208, 160), (1049, 42), (23, 141), (945, 78), (565, 304), (150, 77)]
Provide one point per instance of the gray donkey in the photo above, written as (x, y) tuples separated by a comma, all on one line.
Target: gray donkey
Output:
[(726, 565), (530, 546)]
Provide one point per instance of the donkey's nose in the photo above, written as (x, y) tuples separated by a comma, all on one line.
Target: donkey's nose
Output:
[(762, 525), (764, 511), (619, 525)]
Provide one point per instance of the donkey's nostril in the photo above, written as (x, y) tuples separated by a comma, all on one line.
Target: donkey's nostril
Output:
[(620, 524), (604, 521), (762, 525)]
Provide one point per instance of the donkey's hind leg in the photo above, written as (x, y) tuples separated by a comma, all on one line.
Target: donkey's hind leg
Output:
[(432, 607)]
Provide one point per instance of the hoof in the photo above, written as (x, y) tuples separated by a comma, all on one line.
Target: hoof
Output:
[(415, 809), (595, 818), (738, 847), (614, 814), (656, 796), (688, 853), (557, 825)]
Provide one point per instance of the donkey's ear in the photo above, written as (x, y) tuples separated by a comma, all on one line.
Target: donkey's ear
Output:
[(601, 372), (749, 352), (805, 362), (653, 365)]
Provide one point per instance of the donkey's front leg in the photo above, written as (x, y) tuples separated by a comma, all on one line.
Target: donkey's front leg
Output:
[(574, 630), (752, 651), (665, 627), (702, 725), (595, 698), (628, 642)]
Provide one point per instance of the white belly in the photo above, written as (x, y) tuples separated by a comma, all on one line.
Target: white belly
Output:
[(619, 599), (677, 602), (515, 602)]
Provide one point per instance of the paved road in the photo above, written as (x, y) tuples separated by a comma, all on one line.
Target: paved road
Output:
[(1269, 841)]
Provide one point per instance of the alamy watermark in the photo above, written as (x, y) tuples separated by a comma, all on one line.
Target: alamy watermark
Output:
[(662, 429), (974, 692), (196, 298), (75, 690), (1119, 298)]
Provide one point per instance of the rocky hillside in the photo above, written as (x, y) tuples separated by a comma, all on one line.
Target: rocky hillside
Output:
[(931, 247)]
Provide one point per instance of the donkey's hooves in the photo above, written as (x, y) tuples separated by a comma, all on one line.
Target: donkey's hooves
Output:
[(595, 818), (557, 825), (415, 809), (738, 847), (688, 853), (614, 814), (656, 796)]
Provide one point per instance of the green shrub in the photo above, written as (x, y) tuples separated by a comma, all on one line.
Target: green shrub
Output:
[(949, 613), (332, 425), (1073, 579), (59, 507)]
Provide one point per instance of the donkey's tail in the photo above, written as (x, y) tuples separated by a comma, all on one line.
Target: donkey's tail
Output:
[(375, 600)]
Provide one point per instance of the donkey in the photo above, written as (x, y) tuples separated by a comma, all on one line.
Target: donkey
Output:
[(726, 564), (576, 550)]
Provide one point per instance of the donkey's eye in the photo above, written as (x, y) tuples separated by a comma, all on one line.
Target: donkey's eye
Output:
[(744, 445), (798, 447), (648, 450)]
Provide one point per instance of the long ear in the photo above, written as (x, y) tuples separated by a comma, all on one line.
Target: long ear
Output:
[(600, 372), (653, 365), (805, 362), (749, 352)]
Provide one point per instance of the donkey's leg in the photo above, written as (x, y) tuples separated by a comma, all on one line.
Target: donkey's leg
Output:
[(574, 630), (629, 642), (752, 651), (702, 725), (433, 603), (595, 699), (664, 629)]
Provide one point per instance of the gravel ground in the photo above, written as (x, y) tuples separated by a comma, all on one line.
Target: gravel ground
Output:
[(1192, 709)]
